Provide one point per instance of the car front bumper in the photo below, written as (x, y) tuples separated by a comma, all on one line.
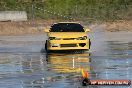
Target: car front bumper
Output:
[(68, 44)]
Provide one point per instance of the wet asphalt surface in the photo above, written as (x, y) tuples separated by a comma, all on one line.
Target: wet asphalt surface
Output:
[(23, 65)]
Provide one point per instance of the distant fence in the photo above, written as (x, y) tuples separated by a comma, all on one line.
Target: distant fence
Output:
[(13, 16)]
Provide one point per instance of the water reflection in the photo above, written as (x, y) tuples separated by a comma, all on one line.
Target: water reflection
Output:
[(68, 63), (65, 69)]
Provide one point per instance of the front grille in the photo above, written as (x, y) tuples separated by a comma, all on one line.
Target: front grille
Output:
[(68, 45)]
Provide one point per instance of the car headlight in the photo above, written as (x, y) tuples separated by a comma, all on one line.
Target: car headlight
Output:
[(57, 38), (54, 38), (55, 45), (82, 38)]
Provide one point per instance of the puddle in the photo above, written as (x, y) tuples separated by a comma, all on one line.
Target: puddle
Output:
[(22, 65)]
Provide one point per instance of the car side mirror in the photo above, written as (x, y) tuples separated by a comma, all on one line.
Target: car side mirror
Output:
[(87, 30), (46, 30)]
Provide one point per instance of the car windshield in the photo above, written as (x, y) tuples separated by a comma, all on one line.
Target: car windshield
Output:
[(66, 27)]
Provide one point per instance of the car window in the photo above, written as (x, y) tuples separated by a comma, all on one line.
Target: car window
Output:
[(66, 27)]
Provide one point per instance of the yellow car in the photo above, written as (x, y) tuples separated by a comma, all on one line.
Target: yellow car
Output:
[(64, 36)]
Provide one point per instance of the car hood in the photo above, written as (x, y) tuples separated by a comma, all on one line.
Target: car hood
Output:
[(67, 34)]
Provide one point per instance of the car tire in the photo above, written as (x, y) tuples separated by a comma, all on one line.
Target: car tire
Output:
[(46, 49), (89, 43)]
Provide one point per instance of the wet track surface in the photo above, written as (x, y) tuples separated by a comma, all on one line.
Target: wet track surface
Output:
[(22, 65)]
